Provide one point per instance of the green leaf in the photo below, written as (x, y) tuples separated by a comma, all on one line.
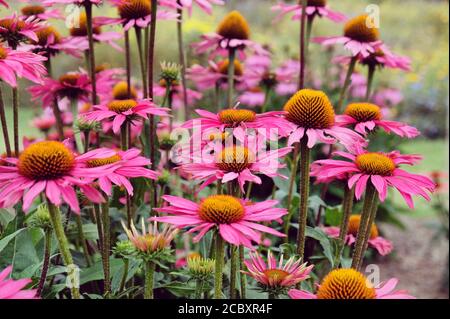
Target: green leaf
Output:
[(333, 216), (96, 272), (180, 289), (5, 217), (324, 241), (5, 241)]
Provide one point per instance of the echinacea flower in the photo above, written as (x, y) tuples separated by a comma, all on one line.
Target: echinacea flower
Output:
[(205, 5), (3, 3), (77, 2), (136, 13), (120, 111), (381, 57), (236, 220), (237, 163), (239, 120), (14, 289), (351, 284), (49, 168), (150, 241), (16, 30), (41, 12), (119, 167), (50, 42), (233, 32), (368, 116), (381, 170), (72, 85), (45, 122), (20, 64), (79, 31), (276, 277), (361, 36), (313, 115), (382, 245), (313, 8)]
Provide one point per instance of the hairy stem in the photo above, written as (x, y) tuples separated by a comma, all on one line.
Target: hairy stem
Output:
[(231, 58), (218, 277), (46, 261), (149, 280), (304, 195), (182, 57), (301, 78), (4, 125), (347, 82)]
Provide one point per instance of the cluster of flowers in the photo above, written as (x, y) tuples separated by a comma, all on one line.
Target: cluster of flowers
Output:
[(104, 121)]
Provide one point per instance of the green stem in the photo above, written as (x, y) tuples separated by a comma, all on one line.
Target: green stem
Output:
[(106, 247), (231, 58), (149, 280), (123, 281), (301, 78), (89, 28), (242, 276), (272, 295), (198, 289), (304, 194), (82, 239), (347, 81), (46, 261), (77, 136), (15, 100), (369, 201), (128, 61), (370, 74), (218, 277), (142, 61), (4, 125), (98, 222), (295, 159), (233, 271), (182, 60), (59, 122), (373, 214), (347, 205), (266, 99), (55, 216)]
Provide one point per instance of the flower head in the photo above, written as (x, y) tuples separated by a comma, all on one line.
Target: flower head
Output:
[(314, 8), (13, 289), (46, 167), (351, 284), (150, 243), (361, 36), (20, 64), (201, 268), (119, 166), (276, 277), (236, 221), (382, 245), (368, 116), (313, 115), (16, 30), (380, 169)]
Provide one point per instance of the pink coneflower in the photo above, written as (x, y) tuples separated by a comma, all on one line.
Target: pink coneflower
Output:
[(313, 115), (78, 2), (205, 5), (20, 64), (314, 8), (45, 122), (368, 116), (361, 37), (237, 163), (13, 289), (382, 245), (382, 57), (73, 85), (216, 74), (50, 42), (79, 31), (151, 240), (379, 169), (120, 111), (236, 221), (120, 167), (50, 168), (232, 33), (239, 120), (136, 13), (276, 277), (16, 30), (351, 284), (3, 3), (41, 12)]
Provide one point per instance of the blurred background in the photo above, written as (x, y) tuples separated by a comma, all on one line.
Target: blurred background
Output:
[(415, 28)]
